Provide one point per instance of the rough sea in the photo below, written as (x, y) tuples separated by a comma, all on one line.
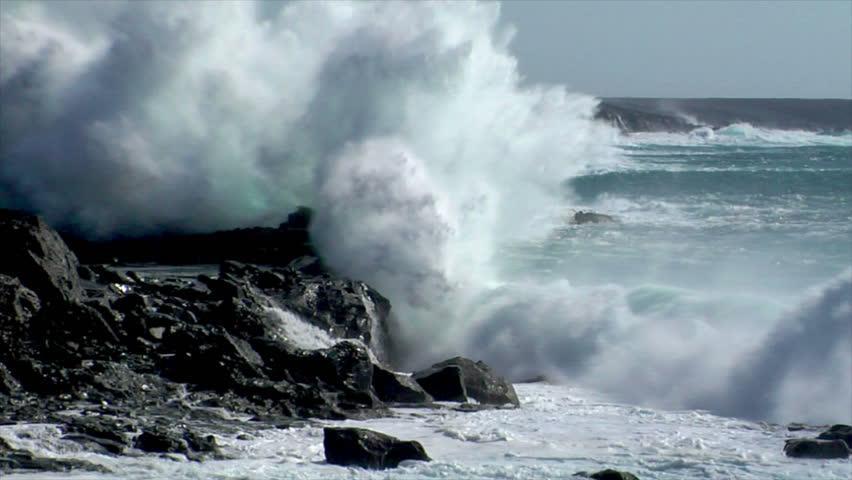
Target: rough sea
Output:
[(722, 238), (678, 341)]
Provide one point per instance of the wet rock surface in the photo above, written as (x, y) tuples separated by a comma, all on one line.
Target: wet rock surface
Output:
[(838, 432), (135, 360), (368, 449), (607, 474), (811, 448), (460, 379), (581, 218)]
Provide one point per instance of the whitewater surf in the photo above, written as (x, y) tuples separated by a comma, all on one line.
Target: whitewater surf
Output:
[(719, 299)]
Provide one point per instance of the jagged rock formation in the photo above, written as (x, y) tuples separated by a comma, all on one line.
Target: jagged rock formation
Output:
[(143, 355)]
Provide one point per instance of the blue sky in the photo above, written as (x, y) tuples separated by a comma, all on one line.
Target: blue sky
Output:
[(687, 48)]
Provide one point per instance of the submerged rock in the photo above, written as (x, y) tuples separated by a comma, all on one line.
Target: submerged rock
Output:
[(460, 379), (607, 474), (810, 448), (582, 217), (365, 448)]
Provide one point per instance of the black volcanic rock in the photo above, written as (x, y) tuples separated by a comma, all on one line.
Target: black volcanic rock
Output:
[(258, 245), (12, 459), (36, 255), (809, 448), (459, 379), (368, 449), (398, 388), (838, 432), (607, 474)]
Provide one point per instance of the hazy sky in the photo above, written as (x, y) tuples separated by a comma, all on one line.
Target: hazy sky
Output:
[(687, 48)]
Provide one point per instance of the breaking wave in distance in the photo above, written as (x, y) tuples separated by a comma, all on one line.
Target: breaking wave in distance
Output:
[(406, 126), (740, 134)]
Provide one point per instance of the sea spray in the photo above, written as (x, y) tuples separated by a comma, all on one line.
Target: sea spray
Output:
[(408, 128)]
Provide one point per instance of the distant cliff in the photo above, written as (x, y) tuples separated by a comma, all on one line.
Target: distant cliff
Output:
[(679, 114)]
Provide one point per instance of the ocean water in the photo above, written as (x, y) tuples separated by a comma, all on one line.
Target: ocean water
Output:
[(557, 432), (441, 177), (717, 238)]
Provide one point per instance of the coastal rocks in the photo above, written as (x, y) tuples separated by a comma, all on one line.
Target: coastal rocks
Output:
[(460, 379), (161, 439), (36, 255), (368, 449), (838, 432), (582, 217), (607, 474), (398, 388), (810, 448), (12, 459), (17, 303), (258, 245)]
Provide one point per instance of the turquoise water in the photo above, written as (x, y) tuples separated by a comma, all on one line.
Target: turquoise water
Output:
[(765, 217)]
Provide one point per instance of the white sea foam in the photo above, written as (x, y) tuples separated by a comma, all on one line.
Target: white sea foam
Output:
[(556, 432), (739, 134)]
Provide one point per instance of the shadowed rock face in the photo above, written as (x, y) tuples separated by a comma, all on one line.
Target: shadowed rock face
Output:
[(144, 355), (36, 255), (809, 448), (368, 449), (459, 379)]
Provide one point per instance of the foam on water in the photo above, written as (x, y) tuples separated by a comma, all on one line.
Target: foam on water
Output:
[(739, 134), (557, 432)]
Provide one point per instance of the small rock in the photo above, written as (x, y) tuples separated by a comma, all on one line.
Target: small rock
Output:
[(582, 217), (809, 448), (608, 474), (366, 448)]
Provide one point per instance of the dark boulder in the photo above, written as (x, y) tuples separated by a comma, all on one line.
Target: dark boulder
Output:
[(393, 387), (37, 256), (17, 303), (459, 379), (582, 217), (838, 432), (607, 474), (809, 448), (209, 357), (368, 449), (109, 435), (444, 384)]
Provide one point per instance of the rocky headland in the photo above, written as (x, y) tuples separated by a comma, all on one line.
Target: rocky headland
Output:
[(157, 358)]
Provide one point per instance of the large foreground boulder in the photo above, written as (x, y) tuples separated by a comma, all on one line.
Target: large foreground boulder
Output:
[(460, 379), (810, 448), (36, 255), (366, 448)]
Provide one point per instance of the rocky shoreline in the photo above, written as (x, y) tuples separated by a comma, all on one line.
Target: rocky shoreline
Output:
[(132, 362), (158, 359)]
